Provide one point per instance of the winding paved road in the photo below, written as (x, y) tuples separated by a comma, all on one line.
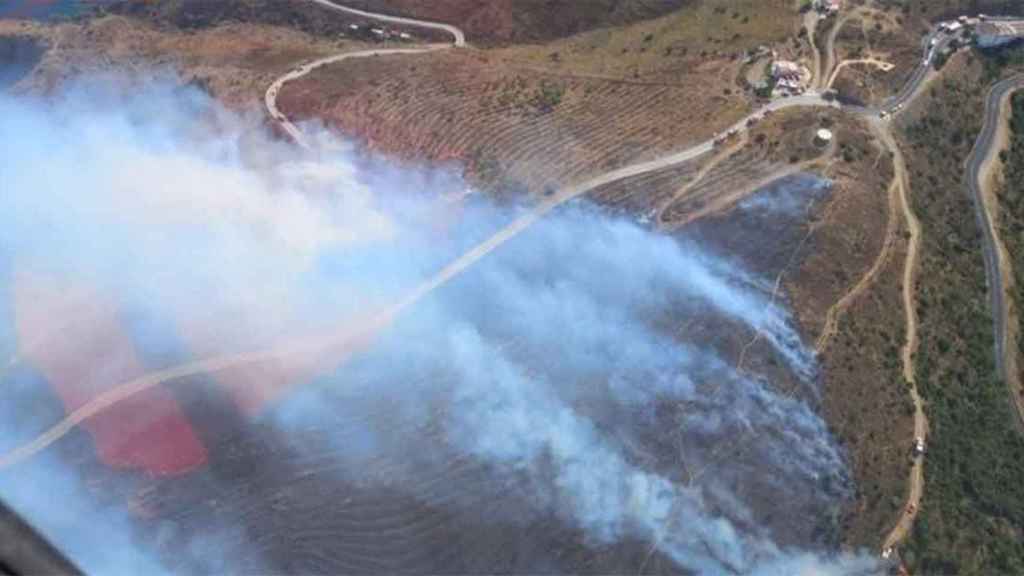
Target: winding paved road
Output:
[(921, 74), (270, 98), (997, 265)]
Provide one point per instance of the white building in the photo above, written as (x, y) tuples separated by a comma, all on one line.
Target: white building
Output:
[(789, 76), (784, 72), (952, 27)]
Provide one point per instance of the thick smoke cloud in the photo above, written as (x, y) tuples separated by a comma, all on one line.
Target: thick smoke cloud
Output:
[(575, 363)]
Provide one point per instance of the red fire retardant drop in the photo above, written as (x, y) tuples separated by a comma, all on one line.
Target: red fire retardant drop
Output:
[(76, 340)]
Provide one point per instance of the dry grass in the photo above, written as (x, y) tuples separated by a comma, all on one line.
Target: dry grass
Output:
[(882, 35), (236, 61), (864, 399), (518, 21), (657, 48)]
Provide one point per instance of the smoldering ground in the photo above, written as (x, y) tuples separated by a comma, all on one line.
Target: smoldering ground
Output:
[(550, 397)]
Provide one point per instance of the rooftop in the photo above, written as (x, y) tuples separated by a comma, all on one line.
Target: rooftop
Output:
[(785, 67)]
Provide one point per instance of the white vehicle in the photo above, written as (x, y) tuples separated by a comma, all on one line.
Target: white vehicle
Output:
[(887, 553), (918, 446)]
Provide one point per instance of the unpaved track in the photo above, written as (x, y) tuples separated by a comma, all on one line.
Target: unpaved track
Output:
[(882, 64), (916, 481), (830, 46), (998, 272), (811, 19), (723, 202), (901, 186), (834, 313), (701, 174)]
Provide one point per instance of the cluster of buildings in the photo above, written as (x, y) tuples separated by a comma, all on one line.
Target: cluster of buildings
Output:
[(989, 32)]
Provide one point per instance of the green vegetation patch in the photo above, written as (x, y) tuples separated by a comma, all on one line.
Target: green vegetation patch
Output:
[(1011, 213), (972, 515)]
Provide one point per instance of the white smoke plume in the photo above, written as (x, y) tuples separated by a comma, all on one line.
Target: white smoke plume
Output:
[(561, 361)]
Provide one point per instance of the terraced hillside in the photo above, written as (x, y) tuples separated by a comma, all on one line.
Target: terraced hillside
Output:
[(527, 129), (540, 115)]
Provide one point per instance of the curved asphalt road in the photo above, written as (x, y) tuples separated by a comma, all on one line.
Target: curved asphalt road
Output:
[(921, 73), (270, 98), (979, 166)]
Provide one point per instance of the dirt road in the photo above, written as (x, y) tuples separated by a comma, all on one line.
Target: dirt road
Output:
[(834, 313), (811, 19), (901, 187), (915, 488), (881, 64), (829, 49)]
